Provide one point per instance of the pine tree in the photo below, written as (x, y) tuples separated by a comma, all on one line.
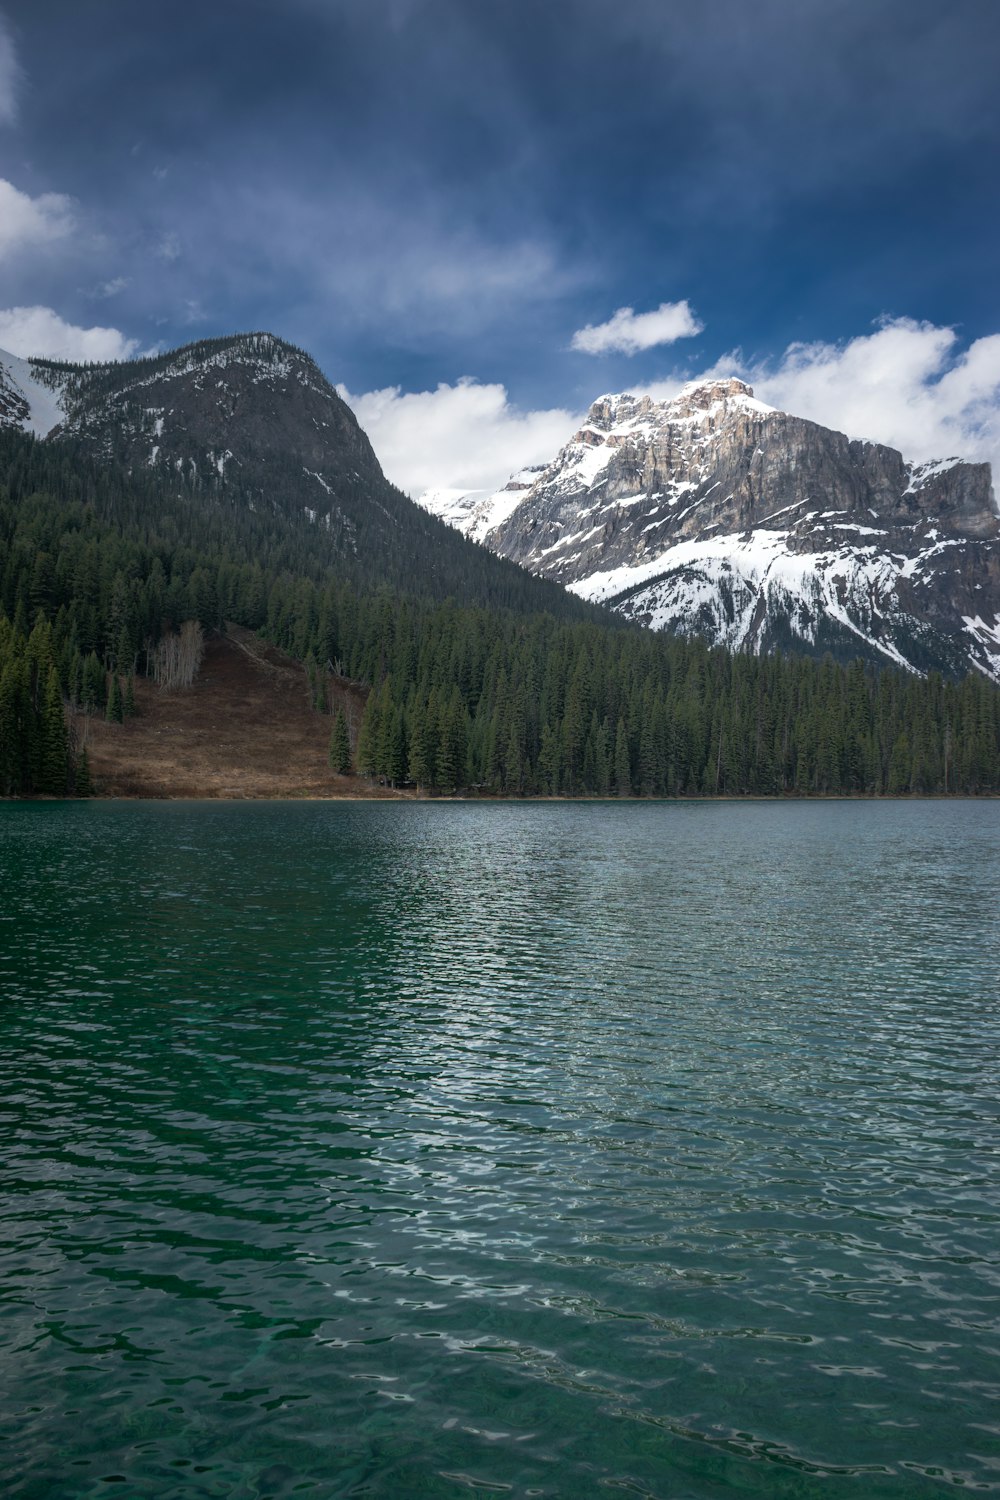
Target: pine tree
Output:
[(94, 686), (83, 785), (623, 769), (340, 745), (900, 766), (602, 759), (549, 760), (393, 751), (53, 738), (419, 767), (115, 710), (368, 736), (12, 757)]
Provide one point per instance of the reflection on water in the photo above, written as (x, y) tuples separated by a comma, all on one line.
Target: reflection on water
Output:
[(524, 1150)]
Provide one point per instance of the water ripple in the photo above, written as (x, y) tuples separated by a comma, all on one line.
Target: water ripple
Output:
[(538, 1151)]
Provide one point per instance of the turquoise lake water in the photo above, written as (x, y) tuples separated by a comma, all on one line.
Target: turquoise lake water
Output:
[(515, 1150)]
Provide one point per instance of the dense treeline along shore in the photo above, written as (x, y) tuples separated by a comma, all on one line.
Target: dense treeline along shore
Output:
[(468, 685)]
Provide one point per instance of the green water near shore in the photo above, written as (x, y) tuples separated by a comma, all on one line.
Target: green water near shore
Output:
[(528, 1150)]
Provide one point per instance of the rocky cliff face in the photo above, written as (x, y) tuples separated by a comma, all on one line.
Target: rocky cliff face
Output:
[(715, 514)]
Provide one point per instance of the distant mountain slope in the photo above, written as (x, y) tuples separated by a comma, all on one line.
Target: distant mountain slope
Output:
[(249, 424), (715, 514)]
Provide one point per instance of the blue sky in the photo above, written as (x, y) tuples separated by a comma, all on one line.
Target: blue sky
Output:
[(437, 197)]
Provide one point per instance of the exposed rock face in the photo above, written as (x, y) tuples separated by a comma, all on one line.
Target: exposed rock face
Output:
[(478, 514), (714, 514)]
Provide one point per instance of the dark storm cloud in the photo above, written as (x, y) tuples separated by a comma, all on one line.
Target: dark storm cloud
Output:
[(229, 147), (413, 186)]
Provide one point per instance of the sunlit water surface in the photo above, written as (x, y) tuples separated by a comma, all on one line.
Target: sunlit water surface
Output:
[(558, 1151)]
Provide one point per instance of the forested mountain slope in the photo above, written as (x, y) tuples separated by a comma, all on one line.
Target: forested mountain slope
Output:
[(102, 569)]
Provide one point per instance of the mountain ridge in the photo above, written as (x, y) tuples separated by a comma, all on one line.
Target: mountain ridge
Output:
[(711, 513)]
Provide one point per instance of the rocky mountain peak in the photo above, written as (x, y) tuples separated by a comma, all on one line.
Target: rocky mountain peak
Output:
[(615, 410), (702, 395), (701, 398), (712, 512), (265, 345)]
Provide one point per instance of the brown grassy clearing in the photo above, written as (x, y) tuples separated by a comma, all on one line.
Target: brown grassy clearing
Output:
[(246, 728)]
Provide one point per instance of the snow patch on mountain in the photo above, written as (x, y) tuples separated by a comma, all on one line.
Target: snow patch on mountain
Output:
[(28, 398), (736, 582), (922, 474)]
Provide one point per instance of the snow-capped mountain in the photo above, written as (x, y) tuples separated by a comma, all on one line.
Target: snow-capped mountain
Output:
[(478, 514), (715, 514)]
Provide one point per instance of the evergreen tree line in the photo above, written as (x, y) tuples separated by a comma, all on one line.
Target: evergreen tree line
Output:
[(465, 699), (36, 752), (259, 523), (461, 696)]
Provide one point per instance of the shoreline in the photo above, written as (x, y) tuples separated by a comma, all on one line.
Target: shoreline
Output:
[(386, 797)]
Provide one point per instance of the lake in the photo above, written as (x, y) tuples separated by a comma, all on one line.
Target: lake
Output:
[(457, 1150)]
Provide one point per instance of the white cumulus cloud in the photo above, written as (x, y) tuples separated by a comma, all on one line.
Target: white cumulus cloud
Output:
[(908, 384), (38, 332), (627, 332), (26, 222), (460, 437)]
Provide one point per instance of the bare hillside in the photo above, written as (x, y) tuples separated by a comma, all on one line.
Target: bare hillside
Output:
[(246, 728)]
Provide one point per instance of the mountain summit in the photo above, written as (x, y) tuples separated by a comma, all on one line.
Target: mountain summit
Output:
[(212, 413), (715, 514)]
